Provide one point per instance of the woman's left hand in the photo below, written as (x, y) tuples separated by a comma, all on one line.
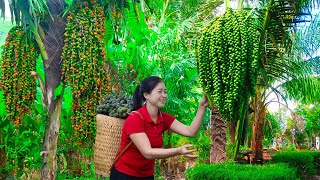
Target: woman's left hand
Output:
[(187, 152), (204, 101)]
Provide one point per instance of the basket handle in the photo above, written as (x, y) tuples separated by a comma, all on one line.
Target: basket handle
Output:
[(123, 151), (126, 148)]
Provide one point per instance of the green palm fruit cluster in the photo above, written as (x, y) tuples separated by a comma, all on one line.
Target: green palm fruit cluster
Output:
[(18, 84), (227, 55), (84, 68), (114, 105)]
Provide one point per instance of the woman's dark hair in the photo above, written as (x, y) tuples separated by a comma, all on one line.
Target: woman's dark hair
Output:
[(146, 86)]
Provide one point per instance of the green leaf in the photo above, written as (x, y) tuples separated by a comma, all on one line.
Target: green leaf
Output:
[(133, 24), (130, 52), (2, 105), (40, 68), (38, 101), (69, 2), (67, 99), (4, 123), (25, 145), (109, 30), (58, 90), (29, 122), (7, 133)]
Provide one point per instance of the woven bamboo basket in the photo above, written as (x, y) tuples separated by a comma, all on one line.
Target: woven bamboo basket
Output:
[(107, 143)]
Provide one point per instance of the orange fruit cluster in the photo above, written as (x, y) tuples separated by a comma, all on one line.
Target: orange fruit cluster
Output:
[(19, 59), (84, 65)]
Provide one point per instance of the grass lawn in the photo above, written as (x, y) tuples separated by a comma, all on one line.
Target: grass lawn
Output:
[(5, 26)]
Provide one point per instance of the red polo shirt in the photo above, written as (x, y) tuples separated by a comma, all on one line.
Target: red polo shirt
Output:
[(132, 162)]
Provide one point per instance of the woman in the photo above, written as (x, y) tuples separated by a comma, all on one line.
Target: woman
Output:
[(144, 128)]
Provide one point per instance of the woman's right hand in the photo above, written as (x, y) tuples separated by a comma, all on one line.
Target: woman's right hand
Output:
[(186, 151), (204, 101)]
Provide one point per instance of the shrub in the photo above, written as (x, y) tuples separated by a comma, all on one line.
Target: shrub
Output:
[(230, 171), (316, 158), (302, 160)]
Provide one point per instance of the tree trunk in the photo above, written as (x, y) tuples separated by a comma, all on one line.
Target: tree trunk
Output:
[(49, 165), (218, 137), (53, 41), (245, 126), (257, 128), (232, 126)]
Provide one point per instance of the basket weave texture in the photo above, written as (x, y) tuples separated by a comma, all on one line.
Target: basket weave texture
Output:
[(107, 143)]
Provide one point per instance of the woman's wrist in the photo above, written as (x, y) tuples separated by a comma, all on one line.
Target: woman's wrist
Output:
[(178, 151)]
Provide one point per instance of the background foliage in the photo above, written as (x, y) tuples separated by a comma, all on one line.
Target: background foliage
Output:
[(150, 38)]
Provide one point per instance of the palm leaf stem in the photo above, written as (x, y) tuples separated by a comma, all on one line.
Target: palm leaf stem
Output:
[(280, 103), (262, 39), (265, 25), (227, 3), (240, 2), (34, 29), (239, 130), (162, 18)]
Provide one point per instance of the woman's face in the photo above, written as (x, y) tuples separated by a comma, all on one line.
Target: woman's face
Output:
[(158, 95)]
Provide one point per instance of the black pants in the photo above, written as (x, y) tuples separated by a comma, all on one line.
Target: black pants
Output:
[(116, 175)]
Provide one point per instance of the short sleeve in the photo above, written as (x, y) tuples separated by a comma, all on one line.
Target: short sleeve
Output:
[(134, 124), (168, 120)]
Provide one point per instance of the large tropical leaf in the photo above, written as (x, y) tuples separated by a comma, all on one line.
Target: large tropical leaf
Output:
[(304, 89), (279, 18), (315, 64), (305, 86), (36, 9)]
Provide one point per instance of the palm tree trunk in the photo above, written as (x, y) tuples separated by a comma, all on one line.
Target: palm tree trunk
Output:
[(232, 126), (53, 42), (218, 137), (257, 128), (49, 165)]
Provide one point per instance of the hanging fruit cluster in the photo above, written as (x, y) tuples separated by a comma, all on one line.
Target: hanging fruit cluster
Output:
[(19, 87), (228, 61), (115, 105), (83, 67)]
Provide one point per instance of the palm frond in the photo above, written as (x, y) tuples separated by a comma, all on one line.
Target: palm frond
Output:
[(38, 8), (185, 25), (280, 96), (192, 26), (303, 89), (297, 81), (315, 65), (278, 19), (15, 11), (2, 8), (302, 83), (308, 38), (272, 126), (285, 15)]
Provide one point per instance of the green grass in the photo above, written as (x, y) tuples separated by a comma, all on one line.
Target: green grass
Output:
[(5, 26)]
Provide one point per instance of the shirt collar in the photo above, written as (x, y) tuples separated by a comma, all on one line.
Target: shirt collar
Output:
[(144, 112)]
